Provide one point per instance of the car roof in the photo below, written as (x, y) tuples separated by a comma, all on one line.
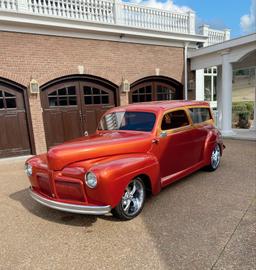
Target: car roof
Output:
[(157, 106)]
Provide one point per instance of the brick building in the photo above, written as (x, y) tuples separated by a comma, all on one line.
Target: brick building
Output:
[(83, 65)]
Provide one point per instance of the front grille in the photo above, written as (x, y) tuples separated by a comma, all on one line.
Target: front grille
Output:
[(44, 185), (72, 191)]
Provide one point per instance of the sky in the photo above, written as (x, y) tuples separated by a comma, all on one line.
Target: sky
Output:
[(237, 15)]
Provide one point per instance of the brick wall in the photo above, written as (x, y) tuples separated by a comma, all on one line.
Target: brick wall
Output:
[(48, 57), (44, 58)]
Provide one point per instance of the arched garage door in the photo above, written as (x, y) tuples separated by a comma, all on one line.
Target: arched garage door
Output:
[(155, 88), (14, 134), (74, 105)]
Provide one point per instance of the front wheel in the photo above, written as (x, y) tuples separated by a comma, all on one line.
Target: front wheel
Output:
[(215, 158), (132, 200)]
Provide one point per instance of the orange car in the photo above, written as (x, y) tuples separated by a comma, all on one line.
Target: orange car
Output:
[(137, 149)]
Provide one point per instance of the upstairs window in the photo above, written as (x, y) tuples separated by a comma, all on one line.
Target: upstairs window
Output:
[(200, 115), (174, 119)]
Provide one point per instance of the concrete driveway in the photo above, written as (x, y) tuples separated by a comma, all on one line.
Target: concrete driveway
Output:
[(205, 221)]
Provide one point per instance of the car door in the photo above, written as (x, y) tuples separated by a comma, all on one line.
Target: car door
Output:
[(202, 122), (176, 145)]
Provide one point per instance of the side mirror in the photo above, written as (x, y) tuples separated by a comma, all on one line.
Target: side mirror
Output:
[(163, 134), (86, 133)]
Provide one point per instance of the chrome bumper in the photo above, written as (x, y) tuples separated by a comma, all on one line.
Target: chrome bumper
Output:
[(73, 208)]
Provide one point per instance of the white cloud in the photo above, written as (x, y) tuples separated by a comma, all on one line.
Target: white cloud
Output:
[(167, 5), (248, 21)]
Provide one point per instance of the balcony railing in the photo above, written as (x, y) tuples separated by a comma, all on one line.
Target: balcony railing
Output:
[(214, 36), (106, 11)]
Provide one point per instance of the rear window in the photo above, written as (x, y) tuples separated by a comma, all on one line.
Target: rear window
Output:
[(200, 115)]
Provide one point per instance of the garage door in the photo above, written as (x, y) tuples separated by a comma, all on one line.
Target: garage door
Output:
[(155, 88), (14, 136), (70, 108)]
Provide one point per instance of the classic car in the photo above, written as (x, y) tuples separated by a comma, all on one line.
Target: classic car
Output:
[(137, 150)]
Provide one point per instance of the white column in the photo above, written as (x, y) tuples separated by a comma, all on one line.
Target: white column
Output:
[(22, 6), (199, 84), (253, 126), (117, 12), (226, 95), (192, 22), (226, 34), (204, 30), (219, 95)]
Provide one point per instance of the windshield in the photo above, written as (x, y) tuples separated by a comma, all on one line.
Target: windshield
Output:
[(141, 121)]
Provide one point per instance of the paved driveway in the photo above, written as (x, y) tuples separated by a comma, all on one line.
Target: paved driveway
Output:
[(205, 221)]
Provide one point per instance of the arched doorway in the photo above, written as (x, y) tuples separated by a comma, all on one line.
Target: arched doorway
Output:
[(72, 105), (15, 130), (155, 88)]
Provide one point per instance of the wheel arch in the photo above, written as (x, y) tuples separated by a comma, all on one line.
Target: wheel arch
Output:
[(147, 182)]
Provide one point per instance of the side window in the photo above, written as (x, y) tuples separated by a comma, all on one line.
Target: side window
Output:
[(200, 115), (174, 119)]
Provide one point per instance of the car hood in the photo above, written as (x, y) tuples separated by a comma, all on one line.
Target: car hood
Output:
[(98, 145)]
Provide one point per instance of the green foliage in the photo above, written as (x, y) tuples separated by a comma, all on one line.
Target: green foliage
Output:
[(244, 109)]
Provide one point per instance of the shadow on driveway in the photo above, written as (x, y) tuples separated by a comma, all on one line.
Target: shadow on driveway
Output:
[(49, 214)]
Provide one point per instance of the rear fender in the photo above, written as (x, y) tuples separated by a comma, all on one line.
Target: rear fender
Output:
[(213, 138)]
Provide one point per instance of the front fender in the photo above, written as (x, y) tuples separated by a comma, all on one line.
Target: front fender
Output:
[(116, 172)]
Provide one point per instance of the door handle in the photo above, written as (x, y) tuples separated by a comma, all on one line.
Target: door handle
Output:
[(155, 140)]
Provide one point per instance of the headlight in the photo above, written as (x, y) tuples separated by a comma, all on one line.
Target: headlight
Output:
[(28, 169), (91, 180)]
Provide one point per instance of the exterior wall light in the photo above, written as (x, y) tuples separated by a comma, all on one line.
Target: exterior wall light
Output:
[(125, 86), (33, 87)]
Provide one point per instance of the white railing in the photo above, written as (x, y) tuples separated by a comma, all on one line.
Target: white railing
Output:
[(8, 5), (106, 11), (144, 17), (91, 10), (214, 36)]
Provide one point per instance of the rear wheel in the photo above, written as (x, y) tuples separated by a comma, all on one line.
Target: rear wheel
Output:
[(132, 200), (215, 158)]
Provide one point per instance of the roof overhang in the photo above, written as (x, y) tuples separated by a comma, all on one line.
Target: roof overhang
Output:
[(212, 55)]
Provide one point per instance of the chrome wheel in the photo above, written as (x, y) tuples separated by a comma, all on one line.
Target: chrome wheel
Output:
[(133, 198), (215, 158)]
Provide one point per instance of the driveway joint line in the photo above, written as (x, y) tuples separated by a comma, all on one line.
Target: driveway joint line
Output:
[(230, 237)]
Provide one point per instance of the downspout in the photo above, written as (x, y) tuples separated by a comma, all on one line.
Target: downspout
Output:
[(186, 70)]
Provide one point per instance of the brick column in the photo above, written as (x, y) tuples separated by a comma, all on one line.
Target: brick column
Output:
[(37, 123), (124, 99), (124, 90)]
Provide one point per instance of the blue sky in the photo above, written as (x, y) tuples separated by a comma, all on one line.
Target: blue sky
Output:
[(238, 15), (220, 13)]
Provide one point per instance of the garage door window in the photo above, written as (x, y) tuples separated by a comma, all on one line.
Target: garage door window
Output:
[(142, 94), (7, 100), (63, 97), (165, 93), (94, 95)]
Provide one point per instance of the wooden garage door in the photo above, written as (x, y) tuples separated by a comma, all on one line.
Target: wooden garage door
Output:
[(14, 137), (71, 108)]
